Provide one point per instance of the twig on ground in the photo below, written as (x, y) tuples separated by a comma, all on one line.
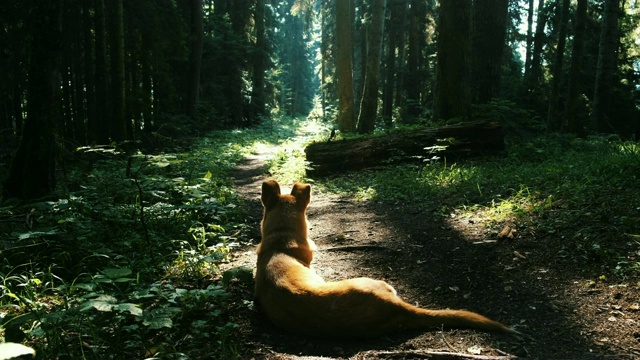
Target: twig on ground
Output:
[(356, 247), (430, 354)]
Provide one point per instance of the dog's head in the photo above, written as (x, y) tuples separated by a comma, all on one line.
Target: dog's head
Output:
[(299, 198), (285, 212)]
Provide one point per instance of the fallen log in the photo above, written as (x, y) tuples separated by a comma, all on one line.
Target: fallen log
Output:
[(453, 142)]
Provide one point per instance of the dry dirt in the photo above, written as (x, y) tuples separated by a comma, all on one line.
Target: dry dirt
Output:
[(447, 263)]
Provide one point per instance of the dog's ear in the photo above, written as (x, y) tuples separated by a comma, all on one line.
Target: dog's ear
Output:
[(302, 193), (270, 193)]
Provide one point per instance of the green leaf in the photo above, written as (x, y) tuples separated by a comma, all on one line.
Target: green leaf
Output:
[(115, 273), (208, 175), (133, 309), (13, 350), (96, 304), (158, 322)]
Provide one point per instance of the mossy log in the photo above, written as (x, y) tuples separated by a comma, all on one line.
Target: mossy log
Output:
[(453, 142)]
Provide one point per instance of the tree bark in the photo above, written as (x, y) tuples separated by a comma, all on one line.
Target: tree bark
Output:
[(606, 67), (344, 68), (103, 98), (553, 120), (463, 140), (393, 38), (32, 172), (533, 73), (488, 44), (452, 94), (571, 124), (118, 83), (259, 64), (369, 105), (196, 41)]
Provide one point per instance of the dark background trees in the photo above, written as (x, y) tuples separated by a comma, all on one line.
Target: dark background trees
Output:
[(149, 71)]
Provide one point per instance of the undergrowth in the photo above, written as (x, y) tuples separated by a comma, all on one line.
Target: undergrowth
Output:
[(124, 261), (579, 195)]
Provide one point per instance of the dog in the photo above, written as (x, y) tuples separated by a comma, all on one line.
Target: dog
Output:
[(298, 300)]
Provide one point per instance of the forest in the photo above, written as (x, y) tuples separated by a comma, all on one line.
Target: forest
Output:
[(474, 154)]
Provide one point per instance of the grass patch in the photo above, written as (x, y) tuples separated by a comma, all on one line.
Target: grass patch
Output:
[(580, 193), (124, 262)]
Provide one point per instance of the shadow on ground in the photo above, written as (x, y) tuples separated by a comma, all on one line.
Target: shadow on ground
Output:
[(435, 262)]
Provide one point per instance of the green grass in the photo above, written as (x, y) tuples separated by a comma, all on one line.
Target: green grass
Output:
[(582, 192), (126, 262)]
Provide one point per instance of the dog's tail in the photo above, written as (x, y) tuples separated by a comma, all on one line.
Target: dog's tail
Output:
[(460, 319)]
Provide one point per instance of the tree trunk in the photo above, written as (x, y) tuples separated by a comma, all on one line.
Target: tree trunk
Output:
[(103, 125), (390, 62), (344, 70), (571, 124), (452, 94), (89, 71), (196, 41), (606, 67), (533, 74), (369, 105), (553, 120), (413, 80), (464, 140), (529, 50), (259, 64), (118, 83), (32, 172), (487, 45)]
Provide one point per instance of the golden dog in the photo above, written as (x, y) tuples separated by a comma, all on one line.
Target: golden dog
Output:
[(298, 300)]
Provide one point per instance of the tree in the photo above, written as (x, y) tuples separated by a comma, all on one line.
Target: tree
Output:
[(571, 123), (533, 73), (394, 41), (413, 82), (369, 105), (344, 67), (32, 172), (452, 94), (196, 37), (120, 126), (489, 23), (260, 57), (553, 120), (606, 67)]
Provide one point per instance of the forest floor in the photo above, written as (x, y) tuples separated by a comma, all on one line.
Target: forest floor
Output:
[(453, 262)]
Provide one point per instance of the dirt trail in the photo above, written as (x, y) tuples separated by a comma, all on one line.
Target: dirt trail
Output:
[(433, 264)]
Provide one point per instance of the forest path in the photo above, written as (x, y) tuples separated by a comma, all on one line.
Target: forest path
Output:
[(435, 261), (353, 240)]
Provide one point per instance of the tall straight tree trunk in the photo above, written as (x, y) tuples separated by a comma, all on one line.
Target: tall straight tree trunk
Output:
[(259, 63), (571, 124), (32, 172), (89, 71), (118, 81), (487, 46), (196, 41), (103, 124), (369, 105), (323, 60), (344, 67), (553, 120), (359, 44), (399, 100), (390, 61), (606, 67), (533, 74), (413, 78), (452, 93), (529, 50)]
